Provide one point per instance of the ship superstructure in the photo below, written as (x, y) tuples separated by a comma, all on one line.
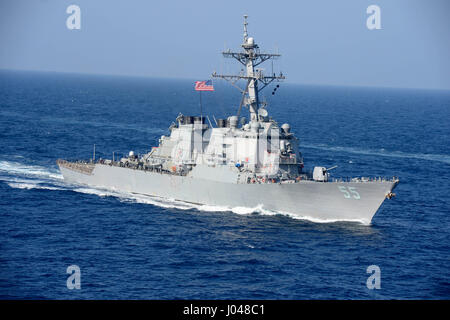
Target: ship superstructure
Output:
[(237, 162)]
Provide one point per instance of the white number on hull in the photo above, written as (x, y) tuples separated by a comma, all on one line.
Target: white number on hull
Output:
[(354, 193), (349, 192)]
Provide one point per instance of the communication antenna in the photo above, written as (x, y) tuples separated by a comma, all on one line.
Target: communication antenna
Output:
[(250, 57), (245, 28)]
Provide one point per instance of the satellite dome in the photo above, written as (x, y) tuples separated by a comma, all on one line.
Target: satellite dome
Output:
[(263, 112), (286, 128)]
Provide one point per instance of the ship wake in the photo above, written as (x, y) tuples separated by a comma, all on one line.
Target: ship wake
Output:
[(32, 171)]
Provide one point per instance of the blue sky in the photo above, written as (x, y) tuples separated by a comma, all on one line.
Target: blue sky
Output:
[(322, 42)]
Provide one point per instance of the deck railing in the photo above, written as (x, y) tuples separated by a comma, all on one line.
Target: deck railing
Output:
[(87, 167), (80, 166)]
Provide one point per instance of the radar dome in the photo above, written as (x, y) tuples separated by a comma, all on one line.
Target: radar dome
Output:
[(286, 128), (262, 112)]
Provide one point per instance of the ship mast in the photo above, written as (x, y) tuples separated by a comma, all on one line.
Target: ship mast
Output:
[(250, 57)]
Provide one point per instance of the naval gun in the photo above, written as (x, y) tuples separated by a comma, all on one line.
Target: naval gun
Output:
[(321, 173)]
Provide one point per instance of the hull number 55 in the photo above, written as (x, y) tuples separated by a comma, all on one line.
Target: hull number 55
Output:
[(349, 192)]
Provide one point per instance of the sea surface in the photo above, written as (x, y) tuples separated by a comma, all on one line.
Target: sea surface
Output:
[(137, 247)]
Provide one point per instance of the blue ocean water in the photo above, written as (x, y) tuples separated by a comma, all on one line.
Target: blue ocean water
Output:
[(130, 247)]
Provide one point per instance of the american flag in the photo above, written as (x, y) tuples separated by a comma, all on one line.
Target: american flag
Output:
[(204, 85)]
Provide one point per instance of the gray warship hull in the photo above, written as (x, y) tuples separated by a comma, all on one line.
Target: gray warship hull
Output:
[(325, 201)]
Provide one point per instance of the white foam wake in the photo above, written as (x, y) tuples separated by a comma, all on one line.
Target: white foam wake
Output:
[(265, 212), (31, 186), (17, 168), (20, 176)]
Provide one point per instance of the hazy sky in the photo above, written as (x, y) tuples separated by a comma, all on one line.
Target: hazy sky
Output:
[(322, 41)]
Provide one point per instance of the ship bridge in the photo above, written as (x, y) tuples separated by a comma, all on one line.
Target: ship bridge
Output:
[(258, 146)]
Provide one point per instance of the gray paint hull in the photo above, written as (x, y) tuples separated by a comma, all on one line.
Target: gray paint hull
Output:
[(314, 200)]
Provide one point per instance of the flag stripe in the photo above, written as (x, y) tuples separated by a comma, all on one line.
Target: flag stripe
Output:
[(204, 85)]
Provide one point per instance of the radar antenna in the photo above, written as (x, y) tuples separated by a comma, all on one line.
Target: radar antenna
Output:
[(250, 57), (245, 28)]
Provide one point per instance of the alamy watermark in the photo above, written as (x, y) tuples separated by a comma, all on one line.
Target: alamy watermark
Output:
[(374, 280), (373, 22), (74, 20), (74, 280)]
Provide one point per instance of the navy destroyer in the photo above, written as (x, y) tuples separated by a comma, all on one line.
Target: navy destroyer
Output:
[(238, 162)]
